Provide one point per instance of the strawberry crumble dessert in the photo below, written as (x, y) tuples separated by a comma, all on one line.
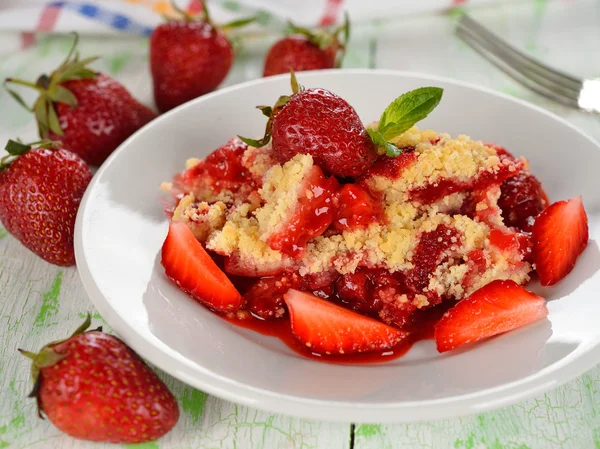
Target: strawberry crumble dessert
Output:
[(345, 239)]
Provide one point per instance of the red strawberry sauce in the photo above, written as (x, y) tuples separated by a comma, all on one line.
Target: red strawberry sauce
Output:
[(421, 328)]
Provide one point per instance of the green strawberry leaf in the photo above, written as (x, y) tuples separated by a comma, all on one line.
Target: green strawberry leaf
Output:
[(62, 95), (391, 150), (41, 116), (18, 98), (238, 23), (16, 148), (408, 109), (266, 110), (53, 122)]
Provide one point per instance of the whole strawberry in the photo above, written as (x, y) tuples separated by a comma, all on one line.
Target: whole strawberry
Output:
[(40, 192), (319, 123), (89, 112), (307, 50), (189, 57), (93, 387)]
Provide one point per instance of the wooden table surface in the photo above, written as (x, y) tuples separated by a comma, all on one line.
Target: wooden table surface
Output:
[(40, 302)]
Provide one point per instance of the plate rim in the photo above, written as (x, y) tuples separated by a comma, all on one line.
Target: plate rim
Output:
[(333, 411)]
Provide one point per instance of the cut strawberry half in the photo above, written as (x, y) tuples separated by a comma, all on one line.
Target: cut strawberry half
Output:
[(191, 268), (560, 234), (326, 328), (498, 307)]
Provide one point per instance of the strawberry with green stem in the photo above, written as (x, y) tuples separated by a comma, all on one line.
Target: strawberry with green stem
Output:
[(189, 57), (317, 122), (41, 186), (89, 112), (306, 49), (93, 387)]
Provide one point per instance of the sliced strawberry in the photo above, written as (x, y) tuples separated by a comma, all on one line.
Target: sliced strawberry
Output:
[(498, 307), (191, 268), (326, 328), (560, 234)]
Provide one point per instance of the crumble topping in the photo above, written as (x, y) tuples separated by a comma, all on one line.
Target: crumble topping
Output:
[(242, 230)]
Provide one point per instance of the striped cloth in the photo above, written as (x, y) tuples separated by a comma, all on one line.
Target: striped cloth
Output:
[(139, 17)]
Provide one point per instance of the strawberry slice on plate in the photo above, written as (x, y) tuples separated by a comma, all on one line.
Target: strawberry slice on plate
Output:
[(326, 328), (192, 269), (498, 307), (560, 234)]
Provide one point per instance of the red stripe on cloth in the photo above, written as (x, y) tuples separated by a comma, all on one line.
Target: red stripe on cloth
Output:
[(194, 7), (46, 22), (48, 18), (331, 13), (27, 39)]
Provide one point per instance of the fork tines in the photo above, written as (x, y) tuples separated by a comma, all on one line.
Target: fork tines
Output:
[(546, 81)]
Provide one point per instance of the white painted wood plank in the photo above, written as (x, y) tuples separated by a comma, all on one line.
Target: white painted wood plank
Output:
[(567, 417), (40, 303)]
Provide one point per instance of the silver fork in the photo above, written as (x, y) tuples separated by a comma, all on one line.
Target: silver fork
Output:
[(553, 84)]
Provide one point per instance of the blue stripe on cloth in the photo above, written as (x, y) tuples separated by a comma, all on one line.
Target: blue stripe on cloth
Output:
[(109, 18)]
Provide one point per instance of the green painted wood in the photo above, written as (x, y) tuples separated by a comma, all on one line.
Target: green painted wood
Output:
[(40, 303)]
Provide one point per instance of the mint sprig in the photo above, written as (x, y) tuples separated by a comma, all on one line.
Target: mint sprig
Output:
[(402, 114)]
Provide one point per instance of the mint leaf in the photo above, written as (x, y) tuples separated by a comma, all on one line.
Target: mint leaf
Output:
[(391, 150), (408, 109)]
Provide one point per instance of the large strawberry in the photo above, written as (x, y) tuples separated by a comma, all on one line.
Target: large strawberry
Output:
[(93, 387), (189, 57), (560, 234), (307, 49), (91, 113), (40, 192), (318, 122)]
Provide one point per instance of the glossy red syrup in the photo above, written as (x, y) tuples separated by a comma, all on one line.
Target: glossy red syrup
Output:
[(356, 208), (312, 216), (429, 254), (421, 327), (220, 170), (431, 193), (391, 167)]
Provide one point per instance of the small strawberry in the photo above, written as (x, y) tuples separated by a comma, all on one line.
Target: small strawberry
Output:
[(498, 307), (560, 234), (189, 57), (326, 328), (93, 387), (307, 50), (191, 268), (40, 192), (319, 123)]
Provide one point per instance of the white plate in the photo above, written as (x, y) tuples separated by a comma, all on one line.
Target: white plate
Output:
[(120, 229)]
